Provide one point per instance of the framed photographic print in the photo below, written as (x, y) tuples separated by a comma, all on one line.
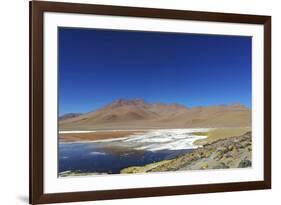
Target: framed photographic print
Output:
[(138, 102)]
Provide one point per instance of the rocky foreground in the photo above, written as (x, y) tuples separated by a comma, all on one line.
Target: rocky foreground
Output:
[(233, 152)]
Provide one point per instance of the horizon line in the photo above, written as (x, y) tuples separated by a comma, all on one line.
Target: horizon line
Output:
[(155, 103)]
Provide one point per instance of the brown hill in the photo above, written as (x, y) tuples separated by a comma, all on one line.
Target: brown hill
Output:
[(133, 114)]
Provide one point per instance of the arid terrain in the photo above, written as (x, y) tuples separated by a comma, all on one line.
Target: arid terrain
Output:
[(137, 114), (232, 152), (221, 148), (143, 137), (91, 136)]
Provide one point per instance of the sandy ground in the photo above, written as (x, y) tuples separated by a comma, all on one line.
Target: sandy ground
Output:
[(221, 133), (99, 135)]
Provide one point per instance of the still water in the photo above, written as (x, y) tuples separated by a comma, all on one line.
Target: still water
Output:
[(110, 156)]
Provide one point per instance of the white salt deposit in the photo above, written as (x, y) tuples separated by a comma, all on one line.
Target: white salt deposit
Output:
[(154, 140)]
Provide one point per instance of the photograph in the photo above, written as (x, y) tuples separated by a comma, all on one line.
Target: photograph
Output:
[(131, 101), (135, 102)]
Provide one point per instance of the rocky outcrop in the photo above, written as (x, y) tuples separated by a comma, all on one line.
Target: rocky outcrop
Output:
[(233, 152)]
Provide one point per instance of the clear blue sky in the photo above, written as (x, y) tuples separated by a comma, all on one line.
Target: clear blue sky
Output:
[(97, 67)]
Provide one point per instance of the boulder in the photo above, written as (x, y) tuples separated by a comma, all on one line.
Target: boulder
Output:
[(221, 165), (245, 163)]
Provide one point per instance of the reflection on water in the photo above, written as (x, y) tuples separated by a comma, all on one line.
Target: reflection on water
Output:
[(90, 157)]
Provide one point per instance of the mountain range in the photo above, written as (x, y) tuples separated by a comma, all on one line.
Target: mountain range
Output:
[(138, 114)]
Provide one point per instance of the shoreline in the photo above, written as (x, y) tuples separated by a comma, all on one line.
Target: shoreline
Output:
[(95, 136), (216, 141), (229, 153), (232, 152), (98, 135), (87, 136)]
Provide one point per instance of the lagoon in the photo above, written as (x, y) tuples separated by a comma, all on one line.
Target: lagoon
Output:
[(111, 155)]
